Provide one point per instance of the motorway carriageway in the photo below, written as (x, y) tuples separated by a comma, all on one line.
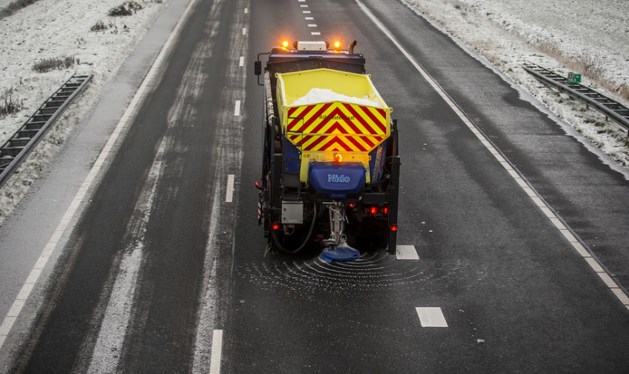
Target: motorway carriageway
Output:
[(512, 236)]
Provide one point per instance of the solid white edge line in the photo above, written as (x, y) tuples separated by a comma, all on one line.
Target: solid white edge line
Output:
[(217, 351), (431, 317), (621, 296), (103, 156), (530, 191), (237, 108), (229, 192)]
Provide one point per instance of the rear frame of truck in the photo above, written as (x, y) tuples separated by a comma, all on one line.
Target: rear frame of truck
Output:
[(291, 210)]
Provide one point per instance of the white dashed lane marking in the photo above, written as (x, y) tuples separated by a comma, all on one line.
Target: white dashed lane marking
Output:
[(315, 33), (237, 108), (244, 31), (217, 351), (312, 25), (431, 317), (305, 11), (246, 10), (309, 18), (241, 61), (229, 192), (304, 6), (407, 252)]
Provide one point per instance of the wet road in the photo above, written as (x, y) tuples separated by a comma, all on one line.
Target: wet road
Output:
[(166, 271)]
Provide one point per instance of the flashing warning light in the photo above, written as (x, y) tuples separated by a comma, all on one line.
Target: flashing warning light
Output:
[(338, 158), (276, 226), (385, 210), (373, 210), (337, 45), (285, 43), (393, 227)]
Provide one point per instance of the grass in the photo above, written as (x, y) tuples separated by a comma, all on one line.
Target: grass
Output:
[(589, 65), (592, 66), (101, 26), (8, 105), (15, 6), (128, 8), (49, 64), (623, 90)]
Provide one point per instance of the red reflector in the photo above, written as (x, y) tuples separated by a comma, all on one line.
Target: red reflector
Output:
[(276, 226), (385, 210), (393, 227), (373, 210)]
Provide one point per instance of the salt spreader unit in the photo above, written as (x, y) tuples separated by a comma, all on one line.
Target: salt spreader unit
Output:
[(330, 170)]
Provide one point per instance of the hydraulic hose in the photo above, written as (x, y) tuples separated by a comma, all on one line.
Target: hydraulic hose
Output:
[(312, 225)]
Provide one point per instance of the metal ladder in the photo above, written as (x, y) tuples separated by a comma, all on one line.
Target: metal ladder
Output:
[(609, 107), (15, 150)]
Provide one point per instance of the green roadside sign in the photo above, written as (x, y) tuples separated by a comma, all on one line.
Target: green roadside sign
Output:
[(574, 77)]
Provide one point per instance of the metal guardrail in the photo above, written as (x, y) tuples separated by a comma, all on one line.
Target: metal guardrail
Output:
[(14, 151), (609, 107)]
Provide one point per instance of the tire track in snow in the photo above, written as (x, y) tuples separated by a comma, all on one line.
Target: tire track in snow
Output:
[(108, 350), (118, 313), (230, 154)]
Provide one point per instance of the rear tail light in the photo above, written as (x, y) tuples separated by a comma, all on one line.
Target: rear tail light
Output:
[(275, 226), (393, 227), (375, 210)]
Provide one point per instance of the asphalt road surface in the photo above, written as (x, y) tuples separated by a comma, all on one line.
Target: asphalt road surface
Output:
[(166, 272)]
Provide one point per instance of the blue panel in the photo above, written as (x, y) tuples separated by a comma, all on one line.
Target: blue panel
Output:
[(336, 181), (292, 162)]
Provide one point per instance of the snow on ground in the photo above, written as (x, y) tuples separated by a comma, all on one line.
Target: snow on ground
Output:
[(57, 29), (587, 36)]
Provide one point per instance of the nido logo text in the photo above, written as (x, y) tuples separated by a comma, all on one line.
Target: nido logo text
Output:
[(335, 178)]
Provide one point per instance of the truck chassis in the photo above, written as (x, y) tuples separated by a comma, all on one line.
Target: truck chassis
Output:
[(294, 214)]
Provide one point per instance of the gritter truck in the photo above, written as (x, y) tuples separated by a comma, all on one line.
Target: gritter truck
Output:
[(330, 169)]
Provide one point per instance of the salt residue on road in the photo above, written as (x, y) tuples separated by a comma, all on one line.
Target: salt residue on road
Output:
[(583, 35), (324, 95)]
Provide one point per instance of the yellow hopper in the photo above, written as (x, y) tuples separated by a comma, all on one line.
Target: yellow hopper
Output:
[(326, 112)]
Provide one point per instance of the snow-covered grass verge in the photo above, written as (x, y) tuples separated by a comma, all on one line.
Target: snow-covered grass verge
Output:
[(52, 30), (572, 35)]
